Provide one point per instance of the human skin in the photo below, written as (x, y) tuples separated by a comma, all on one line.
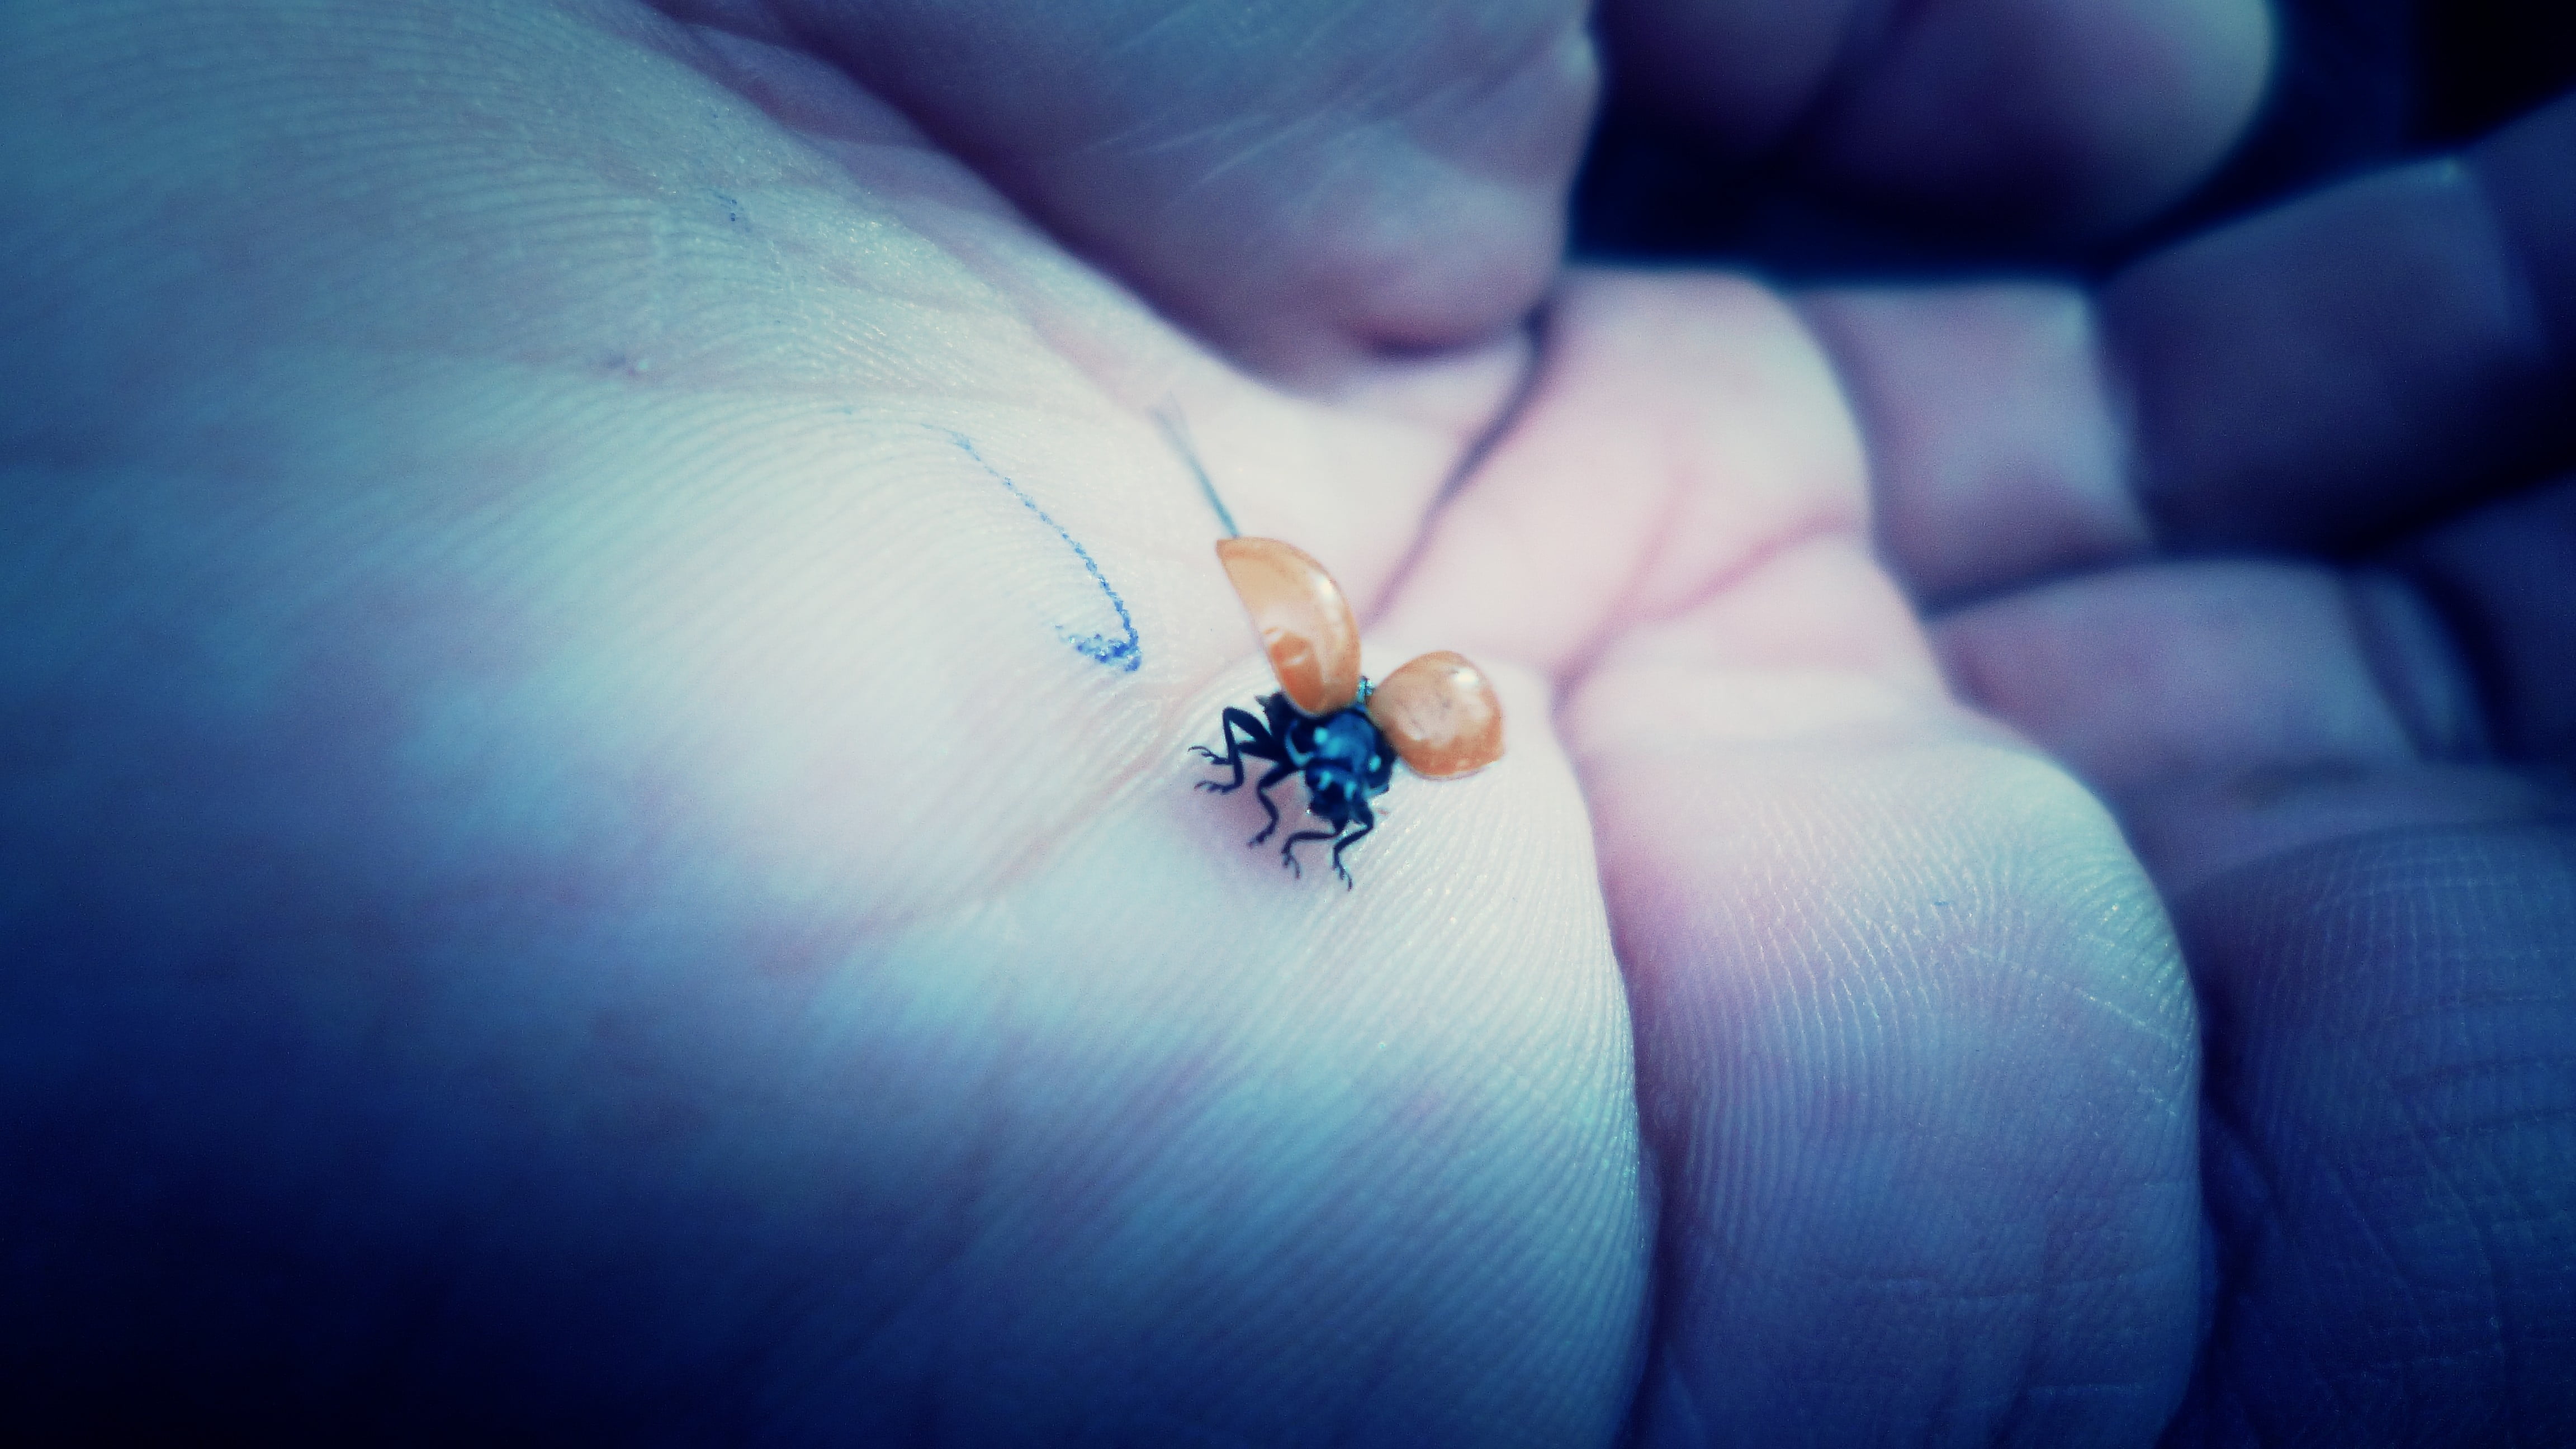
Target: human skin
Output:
[(585, 858)]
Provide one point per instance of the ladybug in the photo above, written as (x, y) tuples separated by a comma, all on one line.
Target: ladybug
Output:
[(1326, 723)]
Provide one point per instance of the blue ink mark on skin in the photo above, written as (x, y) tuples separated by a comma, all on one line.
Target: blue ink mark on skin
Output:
[(1122, 654)]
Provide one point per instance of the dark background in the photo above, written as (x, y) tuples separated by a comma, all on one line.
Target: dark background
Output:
[(2359, 83)]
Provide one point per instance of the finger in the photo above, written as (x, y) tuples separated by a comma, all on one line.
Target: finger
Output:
[(2365, 908), (2233, 711), (2020, 114), (2149, 676), (1996, 450), (1858, 926), (2368, 357), (1305, 186), (1864, 940), (2380, 353)]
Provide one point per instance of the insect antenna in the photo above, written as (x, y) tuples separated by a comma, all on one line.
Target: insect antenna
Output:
[(1177, 431)]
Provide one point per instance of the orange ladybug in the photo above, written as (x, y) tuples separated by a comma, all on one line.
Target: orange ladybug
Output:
[(1438, 713)]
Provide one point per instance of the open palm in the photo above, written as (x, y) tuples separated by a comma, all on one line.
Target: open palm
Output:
[(600, 820)]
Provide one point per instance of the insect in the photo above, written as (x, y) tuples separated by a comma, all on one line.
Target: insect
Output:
[(1326, 723)]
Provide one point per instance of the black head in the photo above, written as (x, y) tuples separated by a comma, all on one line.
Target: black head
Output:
[(1345, 760)]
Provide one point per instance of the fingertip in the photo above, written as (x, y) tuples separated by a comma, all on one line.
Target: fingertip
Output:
[(2060, 118), (2071, 119), (1426, 261), (2353, 362), (1464, 232), (1305, 187), (2524, 172)]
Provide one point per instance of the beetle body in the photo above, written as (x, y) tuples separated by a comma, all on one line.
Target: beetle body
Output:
[(1437, 713), (1343, 758)]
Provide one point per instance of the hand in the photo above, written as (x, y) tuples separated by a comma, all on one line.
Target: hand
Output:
[(602, 661), (2262, 542), (587, 858), (2332, 711)]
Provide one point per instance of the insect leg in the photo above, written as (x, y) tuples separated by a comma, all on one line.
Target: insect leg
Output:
[(1261, 792), (1256, 742), (1288, 847), (1368, 822)]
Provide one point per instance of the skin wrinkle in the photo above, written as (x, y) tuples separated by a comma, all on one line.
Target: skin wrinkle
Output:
[(2386, 911), (2469, 1071), (2505, 653), (1866, 425), (1171, 16), (1954, 510), (1833, 343), (1280, 138), (2162, 1095), (2317, 1370), (1358, 262), (1663, 1128), (2118, 389), (1478, 88), (1657, 543), (1823, 521), (1854, 943), (1659, 1121), (2499, 1315), (2426, 694), (2422, 1295), (1730, 578), (2226, 1246), (2524, 299), (1527, 371)]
